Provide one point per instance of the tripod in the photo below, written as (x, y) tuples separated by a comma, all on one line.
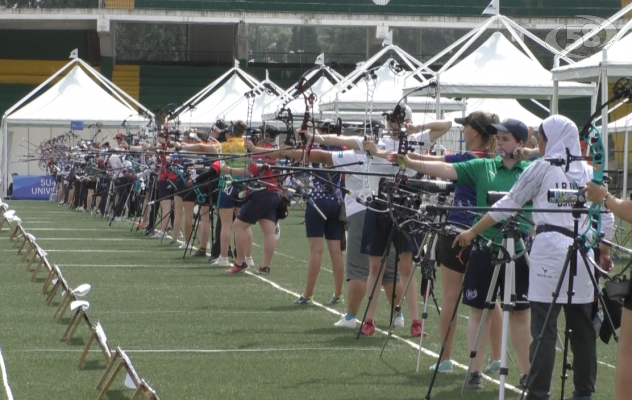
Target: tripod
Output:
[(427, 271), (511, 233), (578, 246)]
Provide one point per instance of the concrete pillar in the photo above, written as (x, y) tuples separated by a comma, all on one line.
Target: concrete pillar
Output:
[(242, 36), (211, 43), (373, 45), (107, 41)]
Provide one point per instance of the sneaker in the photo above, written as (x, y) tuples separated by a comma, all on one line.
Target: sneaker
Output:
[(277, 231), (444, 366), (174, 242), (368, 329), (236, 269), (212, 259), (493, 367), (159, 235), (415, 329), (303, 301), (183, 246), (523, 382), (398, 322), (336, 299), (475, 381), (222, 262), (118, 219), (263, 271), (250, 262), (199, 253), (343, 322)]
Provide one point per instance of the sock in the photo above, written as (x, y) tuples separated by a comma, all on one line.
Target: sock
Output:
[(350, 316)]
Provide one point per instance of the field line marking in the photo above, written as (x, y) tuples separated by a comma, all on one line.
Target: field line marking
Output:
[(5, 378), (408, 342)]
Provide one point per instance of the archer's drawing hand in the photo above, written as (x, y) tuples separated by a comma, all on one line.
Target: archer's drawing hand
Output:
[(371, 147), (464, 239)]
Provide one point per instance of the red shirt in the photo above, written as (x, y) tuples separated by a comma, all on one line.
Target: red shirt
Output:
[(165, 174), (254, 171)]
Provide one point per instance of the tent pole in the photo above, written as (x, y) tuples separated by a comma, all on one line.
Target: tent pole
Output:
[(518, 39), (5, 156), (556, 89), (626, 148), (449, 48), (604, 111), (580, 42), (438, 99), (467, 45)]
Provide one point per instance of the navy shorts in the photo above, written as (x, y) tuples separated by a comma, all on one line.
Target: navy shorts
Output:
[(478, 279), (165, 190), (262, 204), (377, 229), (230, 200), (316, 226)]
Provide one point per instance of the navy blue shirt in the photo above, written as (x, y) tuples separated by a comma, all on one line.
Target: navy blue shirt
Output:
[(464, 195)]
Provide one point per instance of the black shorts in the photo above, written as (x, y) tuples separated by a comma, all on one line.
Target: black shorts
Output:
[(478, 278), (456, 258), (376, 231), (315, 226), (91, 184), (627, 303)]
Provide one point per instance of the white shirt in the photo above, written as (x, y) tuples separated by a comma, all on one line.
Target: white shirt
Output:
[(380, 165), (549, 249), (353, 183)]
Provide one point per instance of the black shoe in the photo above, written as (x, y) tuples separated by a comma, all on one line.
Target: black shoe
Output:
[(263, 271), (212, 258), (199, 253)]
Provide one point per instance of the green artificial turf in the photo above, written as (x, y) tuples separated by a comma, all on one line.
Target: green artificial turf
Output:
[(193, 332)]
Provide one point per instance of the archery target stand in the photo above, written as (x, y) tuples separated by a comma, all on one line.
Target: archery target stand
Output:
[(99, 335)]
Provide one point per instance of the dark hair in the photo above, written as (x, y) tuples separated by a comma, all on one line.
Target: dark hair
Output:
[(541, 132), (238, 128)]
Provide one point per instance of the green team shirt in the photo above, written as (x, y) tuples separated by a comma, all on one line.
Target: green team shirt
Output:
[(488, 175)]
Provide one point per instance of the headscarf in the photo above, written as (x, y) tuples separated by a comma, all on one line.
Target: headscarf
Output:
[(561, 133)]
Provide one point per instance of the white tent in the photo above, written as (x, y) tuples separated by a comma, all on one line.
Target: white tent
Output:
[(498, 69), (262, 94), (349, 96), (75, 97), (611, 63), (206, 112), (202, 110), (618, 64)]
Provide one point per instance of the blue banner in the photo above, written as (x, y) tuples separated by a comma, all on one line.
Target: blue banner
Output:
[(32, 187), (76, 125)]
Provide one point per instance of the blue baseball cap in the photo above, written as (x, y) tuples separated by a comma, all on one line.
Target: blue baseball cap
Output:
[(518, 128)]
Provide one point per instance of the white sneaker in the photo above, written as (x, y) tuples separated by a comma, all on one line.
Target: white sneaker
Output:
[(343, 322), (221, 262), (159, 235), (118, 219), (277, 231), (399, 321), (183, 246), (250, 262)]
